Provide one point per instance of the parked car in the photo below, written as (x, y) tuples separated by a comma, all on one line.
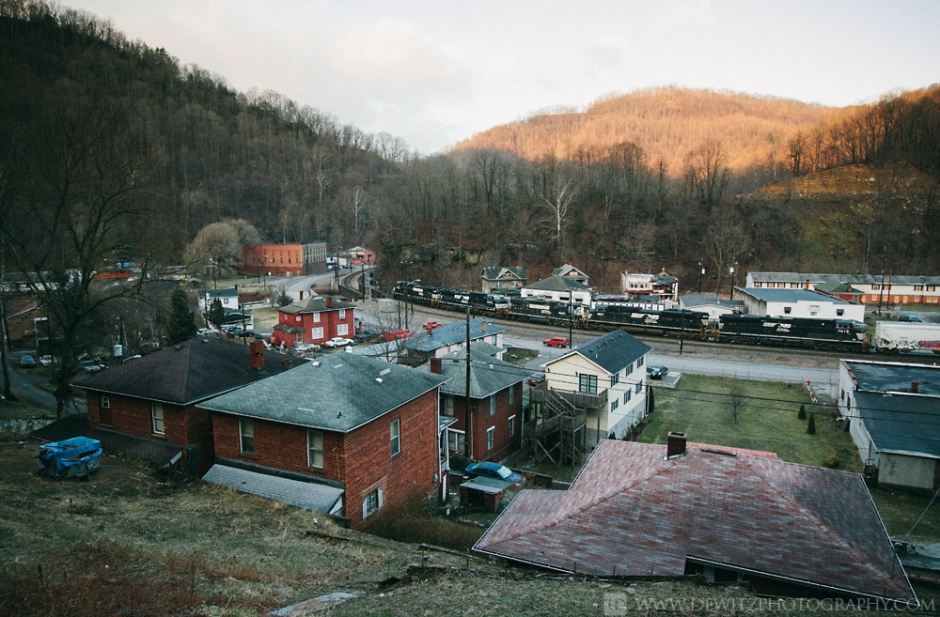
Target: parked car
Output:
[(394, 335), (89, 366), (431, 325), (556, 341), (536, 378), (27, 362), (657, 372), (45, 360), (494, 471), (305, 347), (910, 318), (337, 341)]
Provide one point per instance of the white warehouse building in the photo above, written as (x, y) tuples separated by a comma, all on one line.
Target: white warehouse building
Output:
[(798, 303)]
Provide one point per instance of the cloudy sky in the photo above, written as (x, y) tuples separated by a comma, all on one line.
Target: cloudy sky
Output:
[(434, 72)]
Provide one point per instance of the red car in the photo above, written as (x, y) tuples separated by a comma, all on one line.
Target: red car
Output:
[(556, 341)]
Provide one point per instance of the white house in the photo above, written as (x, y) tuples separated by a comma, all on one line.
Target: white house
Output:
[(607, 379), (893, 414), (662, 284), (882, 288), (559, 289), (228, 298)]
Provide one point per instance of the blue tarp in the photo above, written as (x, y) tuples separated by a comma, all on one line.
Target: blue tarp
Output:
[(69, 458)]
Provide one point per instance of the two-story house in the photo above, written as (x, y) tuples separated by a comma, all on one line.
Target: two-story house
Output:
[(603, 381), (317, 320), (347, 435), (491, 427), (502, 279), (153, 400)]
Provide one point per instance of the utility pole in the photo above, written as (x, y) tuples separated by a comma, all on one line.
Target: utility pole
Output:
[(467, 391)]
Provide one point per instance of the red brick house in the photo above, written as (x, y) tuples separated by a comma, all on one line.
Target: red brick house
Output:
[(314, 321), (155, 397), (347, 435), (492, 429), (284, 259)]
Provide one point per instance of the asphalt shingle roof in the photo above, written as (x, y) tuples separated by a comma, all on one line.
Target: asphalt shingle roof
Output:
[(612, 352), (487, 374), (558, 283), (339, 392), (632, 512), (452, 333), (186, 373)]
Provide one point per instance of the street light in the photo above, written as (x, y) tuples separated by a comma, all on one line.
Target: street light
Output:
[(731, 272), (701, 275)]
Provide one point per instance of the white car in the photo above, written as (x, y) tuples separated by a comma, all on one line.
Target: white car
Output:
[(337, 341)]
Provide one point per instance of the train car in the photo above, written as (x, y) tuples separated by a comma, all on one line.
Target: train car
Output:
[(454, 299), (540, 310), (668, 322), (415, 293), (820, 333)]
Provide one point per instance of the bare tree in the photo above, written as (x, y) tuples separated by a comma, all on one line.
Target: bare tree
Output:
[(735, 401), (214, 250), (558, 200)]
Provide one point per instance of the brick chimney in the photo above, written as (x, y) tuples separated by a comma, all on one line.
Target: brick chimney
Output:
[(329, 302), (675, 444), (256, 355), (484, 324), (285, 364), (436, 366), (915, 386)]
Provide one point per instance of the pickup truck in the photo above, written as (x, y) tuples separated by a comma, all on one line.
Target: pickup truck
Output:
[(556, 341)]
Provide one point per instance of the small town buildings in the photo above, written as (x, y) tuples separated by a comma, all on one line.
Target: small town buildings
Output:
[(798, 303), (353, 434), (603, 382), (448, 338), (227, 297), (360, 256), (313, 322), (715, 306), (650, 510), (559, 289), (893, 413), (662, 284), (879, 289), (284, 259), (491, 429), (502, 279), (25, 324), (154, 398), (568, 271)]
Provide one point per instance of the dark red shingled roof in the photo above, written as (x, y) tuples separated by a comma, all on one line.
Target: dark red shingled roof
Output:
[(633, 512)]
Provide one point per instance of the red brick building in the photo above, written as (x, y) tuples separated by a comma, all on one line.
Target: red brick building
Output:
[(317, 320), (284, 259), (155, 397), (348, 425), (493, 428)]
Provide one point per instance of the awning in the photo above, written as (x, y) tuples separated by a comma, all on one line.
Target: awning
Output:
[(307, 495)]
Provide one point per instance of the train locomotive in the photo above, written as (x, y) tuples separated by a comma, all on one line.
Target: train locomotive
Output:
[(734, 328)]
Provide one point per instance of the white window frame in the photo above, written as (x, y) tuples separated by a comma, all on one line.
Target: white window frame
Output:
[(246, 430), (492, 404), (316, 317), (395, 437), (372, 503), (456, 441), (157, 419), (448, 405), (105, 402), (342, 314), (512, 394), (316, 333), (315, 455), (342, 329), (490, 437), (512, 426)]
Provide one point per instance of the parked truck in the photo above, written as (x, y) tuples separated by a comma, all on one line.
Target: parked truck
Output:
[(894, 337)]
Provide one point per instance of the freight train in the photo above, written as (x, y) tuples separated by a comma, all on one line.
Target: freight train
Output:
[(817, 333)]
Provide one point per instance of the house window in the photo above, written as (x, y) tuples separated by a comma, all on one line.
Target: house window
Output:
[(156, 415), (456, 441), (638, 387), (512, 395), (448, 405), (316, 333), (615, 379), (490, 433), (296, 317), (587, 384), (512, 426), (105, 402), (396, 437), (315, 449), (786, 310), (246, 435), (614, 404), (627, 396), (918, 287), (372, 503), (493, 405), (342, 329), (639, 362), (342, 314), (840, 312), (316, 317)]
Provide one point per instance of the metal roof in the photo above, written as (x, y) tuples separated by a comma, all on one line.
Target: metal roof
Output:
[(901, 423), (339, 392), (894, 377), (309, 495), (848, 279), (789, 295), (633, 512), (452, 333)]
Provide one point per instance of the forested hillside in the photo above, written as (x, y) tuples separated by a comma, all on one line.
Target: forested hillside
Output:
[(665, 178)]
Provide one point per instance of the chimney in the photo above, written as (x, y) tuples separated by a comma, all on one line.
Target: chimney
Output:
[(329, 302), (915, 386), (436, 366), (675, 444), (285, 364), (484, 324), (256, 355), (429, 330)]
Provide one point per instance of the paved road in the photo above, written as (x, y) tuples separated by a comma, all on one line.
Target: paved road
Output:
[(27, 384)]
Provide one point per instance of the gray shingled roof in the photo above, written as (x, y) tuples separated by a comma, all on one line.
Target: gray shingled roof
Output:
[(789, 295), (339, 392), (187, 373), (633, 512), (487, 374), (316, 304), (849, 279), (558, 283), (612, 352)]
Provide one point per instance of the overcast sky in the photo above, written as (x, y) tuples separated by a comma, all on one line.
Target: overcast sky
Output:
[(438, 71)]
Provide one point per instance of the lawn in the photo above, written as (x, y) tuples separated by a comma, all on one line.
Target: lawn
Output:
[(703, 408)]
